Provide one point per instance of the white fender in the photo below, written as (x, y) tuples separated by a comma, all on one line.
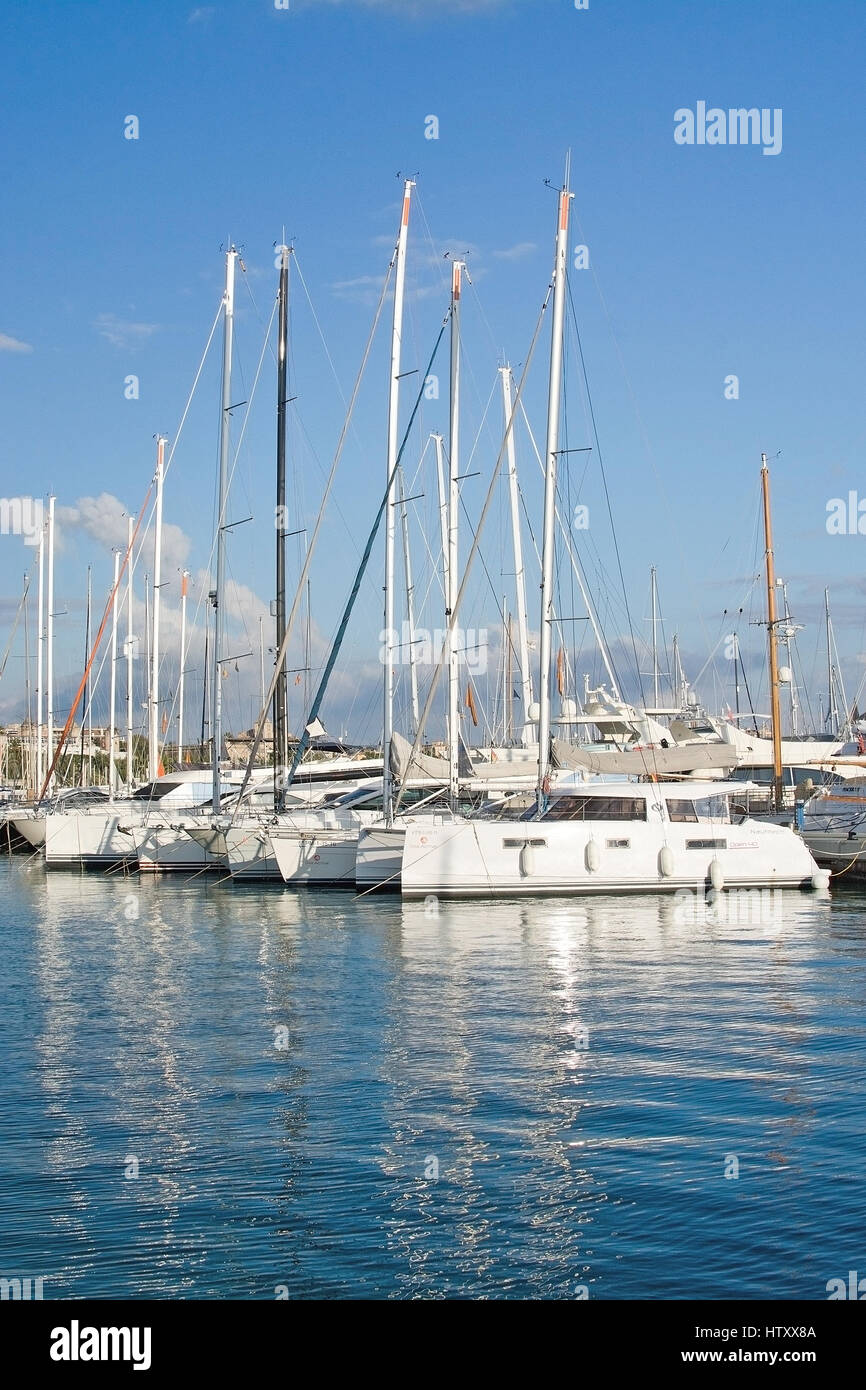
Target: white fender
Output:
[(717, 877), (666, 861), (527, 860), (592, 856)]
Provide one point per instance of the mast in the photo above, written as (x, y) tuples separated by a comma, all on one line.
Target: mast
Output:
[(28, 687), (772, 635), (789, 634), (217, 595), (410, 603), (184, 584), (551, 455), (40, 648), (509, 683), (281, 693), (519, 572), (443, 509), (130, 769), (112, 699), (153, 732), (677, 686), (261, 662), (390, 510), (204, 711), (655, 604), (457, 268), (49, 641), (84, 706), (832, 717), (90, 703)]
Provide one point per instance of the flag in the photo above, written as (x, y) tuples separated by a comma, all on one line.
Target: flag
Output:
[(316, 728), (560, 671), (164, 721), (160, 771), (470, 705)]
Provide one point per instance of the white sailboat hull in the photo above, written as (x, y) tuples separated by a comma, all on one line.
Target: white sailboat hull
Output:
[(379, 857), (92, 840), (323, 857)]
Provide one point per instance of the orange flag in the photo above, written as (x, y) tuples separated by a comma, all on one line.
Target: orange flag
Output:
[(560, 671), (470, 705)]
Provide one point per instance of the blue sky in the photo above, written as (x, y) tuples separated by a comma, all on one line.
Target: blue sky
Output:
[(705, 261)]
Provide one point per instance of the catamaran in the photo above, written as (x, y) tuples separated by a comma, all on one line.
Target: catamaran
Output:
[(607, 835)]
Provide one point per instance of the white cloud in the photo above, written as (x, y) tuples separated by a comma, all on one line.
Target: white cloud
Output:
[(203, 14), (8, 344), (516, 252), (104, 519), (123, 333)]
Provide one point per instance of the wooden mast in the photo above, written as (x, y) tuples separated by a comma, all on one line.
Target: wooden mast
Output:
[(771, 632)]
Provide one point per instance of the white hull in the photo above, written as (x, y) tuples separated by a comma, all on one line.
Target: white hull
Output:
[(88, 840), (538, 858), (323, 857), (243, 849), (379, 857), (169, 849), (30, 828)]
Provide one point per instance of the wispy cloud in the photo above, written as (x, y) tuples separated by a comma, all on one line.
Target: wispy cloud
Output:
[(123, 333), (203, 14), (516, 252), (8, 344), (417, 7)]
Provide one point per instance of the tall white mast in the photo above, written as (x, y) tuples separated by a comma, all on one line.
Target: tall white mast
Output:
[(832, 708), (410, 604), (457, 268), (154, 732), (49, 634), (443, 508), (654, 620), (551, 457), (184, 584), (112, 699), (526, 734), (390, 510), (130, 762), (225, 420), (40, 647)]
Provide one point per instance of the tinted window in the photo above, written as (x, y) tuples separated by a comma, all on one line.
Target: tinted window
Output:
[(596, 808), (703, 808)]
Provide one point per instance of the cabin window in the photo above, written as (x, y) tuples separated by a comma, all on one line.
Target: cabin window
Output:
[(702, 808), (618, 844), (596, 808), (518, 844), (706, 844)]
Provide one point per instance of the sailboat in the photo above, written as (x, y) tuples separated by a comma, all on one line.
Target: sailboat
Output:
[(601, 836)]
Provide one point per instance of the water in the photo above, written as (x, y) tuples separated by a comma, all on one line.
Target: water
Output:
[(287, 1073)]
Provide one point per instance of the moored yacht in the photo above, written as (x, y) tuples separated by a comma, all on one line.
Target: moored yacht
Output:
[(608, 837)]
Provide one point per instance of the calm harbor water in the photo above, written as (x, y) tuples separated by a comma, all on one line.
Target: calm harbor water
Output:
[(242, 1093)]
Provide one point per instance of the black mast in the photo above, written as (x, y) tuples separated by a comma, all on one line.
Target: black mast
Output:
[(281, 690)]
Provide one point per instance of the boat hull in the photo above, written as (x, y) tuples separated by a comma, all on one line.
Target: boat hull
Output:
[(537, 859)]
